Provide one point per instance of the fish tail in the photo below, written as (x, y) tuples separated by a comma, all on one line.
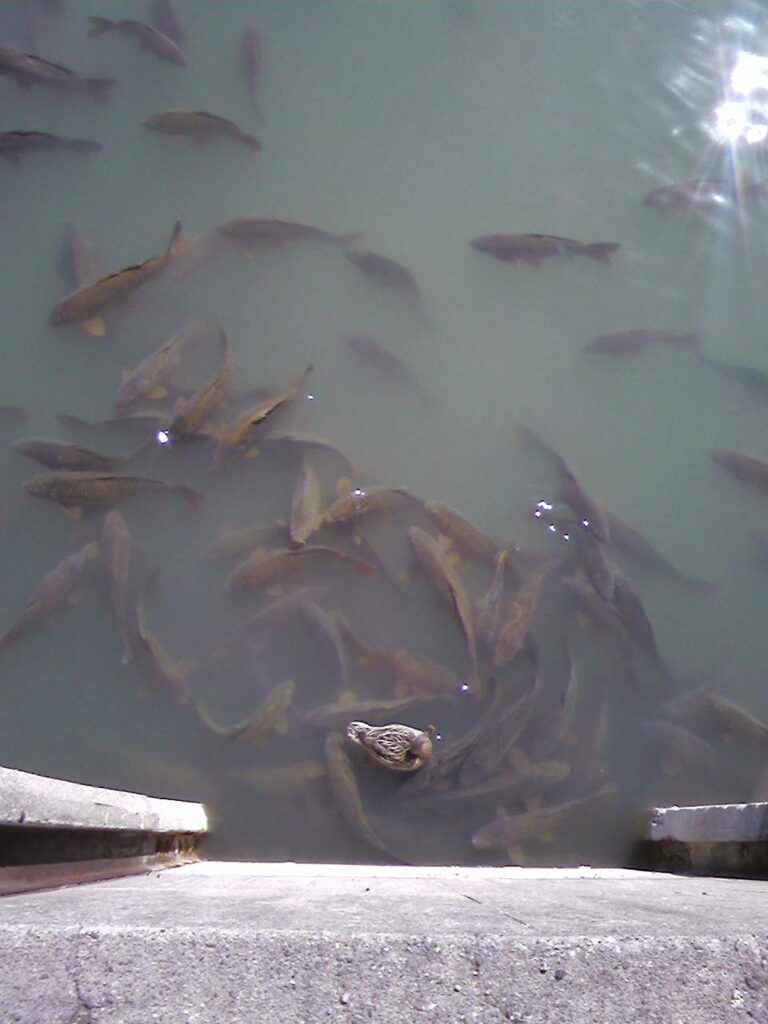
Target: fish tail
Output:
[(98, 88), (347, 241), (600, 251), (100, 25), (177, 243), (84, 145), (188, 493), (250, 141)]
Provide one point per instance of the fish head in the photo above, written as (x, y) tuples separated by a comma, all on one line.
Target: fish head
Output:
[(40, 487), (57, 315)]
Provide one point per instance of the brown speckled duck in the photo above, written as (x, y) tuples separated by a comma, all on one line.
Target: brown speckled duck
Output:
[(400, 748)]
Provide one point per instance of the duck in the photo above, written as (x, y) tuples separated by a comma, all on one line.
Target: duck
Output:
[(400, 748)]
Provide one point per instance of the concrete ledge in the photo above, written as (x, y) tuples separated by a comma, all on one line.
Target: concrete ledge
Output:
[(292, 943), (35, 801), (716, 823)]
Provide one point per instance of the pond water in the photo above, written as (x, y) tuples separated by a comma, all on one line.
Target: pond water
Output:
[(418, 127)]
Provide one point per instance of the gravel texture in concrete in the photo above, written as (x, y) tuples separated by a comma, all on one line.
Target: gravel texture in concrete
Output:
[(288, 943)]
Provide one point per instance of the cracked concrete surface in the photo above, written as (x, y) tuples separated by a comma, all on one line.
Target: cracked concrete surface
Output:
[(289, 943)]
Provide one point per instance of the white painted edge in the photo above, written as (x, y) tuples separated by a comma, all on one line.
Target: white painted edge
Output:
[(290, 869), (40, 802), (710, 823)]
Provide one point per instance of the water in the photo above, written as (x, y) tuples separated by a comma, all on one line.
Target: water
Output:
[(420, 126)]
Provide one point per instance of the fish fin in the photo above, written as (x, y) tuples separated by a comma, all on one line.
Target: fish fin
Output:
[(357, 536), (73, 512), (281, 725), (343, 486), (600, 251), (250, 141), (184, 667), (275, 591), (75, 597), (516, 853), (502, 812), (346, 697), (177, 244), (404, 576), (97, 88), (157, 393), (517, 760), (547, 837), (99, 25), (252, 453), (96, 326), (250, 251)]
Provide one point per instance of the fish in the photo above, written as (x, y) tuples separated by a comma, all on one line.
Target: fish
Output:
[(737, 722), (558, 729), (341, 777), (140, 420), (509, 829), (305, 505), (389, 274), (377, 712), (601, 612), (167, 20), (231, 543), (302, 439), (572, 490), (517, 617), (85, 303), (239, 433), (751, 378), (681, 743), (632, 613), (79, 261), (192, 413), (95, 490), (28, 70), (167, 673), (270, 716), (201, 126), (593, 560), (116, 551), (262, 570), (252, 232), (463, 534), (535, 248), (372, 352), (16, 143), (52, 592), (632, 343), (147, 38), (250, 63), (631, 545), (359, 502), (487, 756), (282, 778), (62, 455), (148, 378), (488, 607), (444, 577), (749, 470), (514, 783), (702, 194)]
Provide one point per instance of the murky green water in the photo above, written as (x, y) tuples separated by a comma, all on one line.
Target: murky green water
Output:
[(421, 126)]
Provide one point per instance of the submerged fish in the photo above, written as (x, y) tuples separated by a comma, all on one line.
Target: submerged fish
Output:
[(167, 20), (28, 69), (517, 616), (341, 777), (488, 607), (463, 534), (350, 507), (200, 125), (703, 194), (572, 490), (737, 722), (370, 351), (632, 613), (79, 261), (95, 490), (54, 589), (265, 569), (535, 248), (749, 377), (636, 549), (191, 415), (390, 274), (378, 712), (250, 63), (116, 551), (282, 778), (147, 38), (232, 543), (442, 574), (270, 716), (509, 829), (148, 378), (140, 421), (168, 673), (305, 505), (251, 232), (238, 434), (749, 470), (85, 303), (513, 783), (631, 343), (62, 455), (15, 144), (681, 743)]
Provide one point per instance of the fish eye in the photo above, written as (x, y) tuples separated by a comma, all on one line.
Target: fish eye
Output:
[(163, 437)]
